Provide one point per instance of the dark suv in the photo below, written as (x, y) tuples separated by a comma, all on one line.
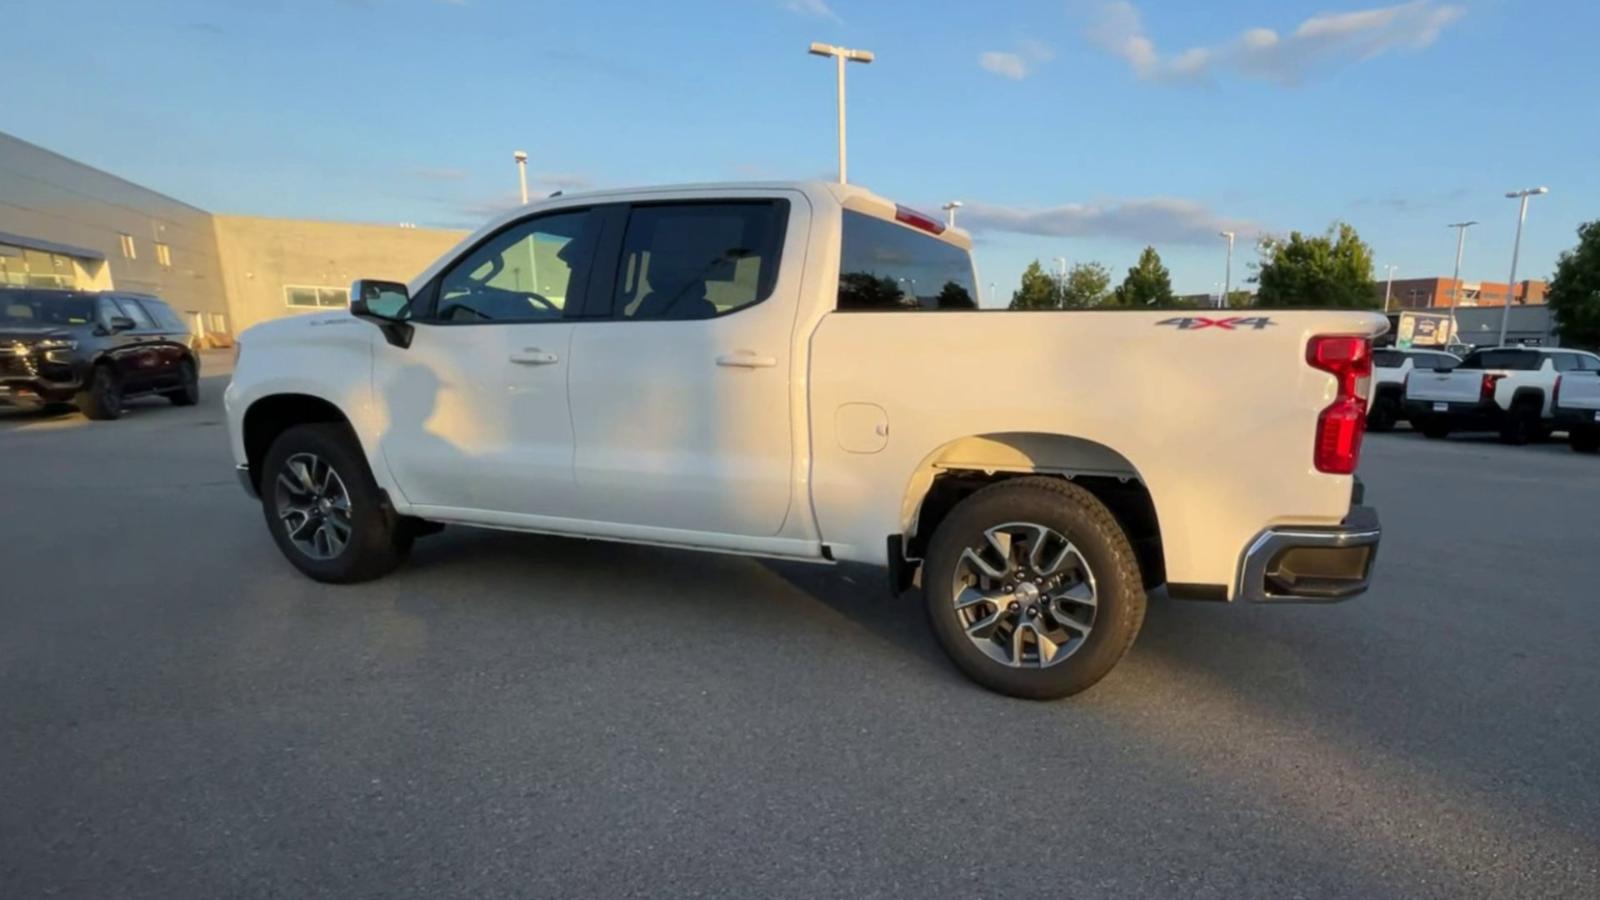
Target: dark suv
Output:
[(92, 350)]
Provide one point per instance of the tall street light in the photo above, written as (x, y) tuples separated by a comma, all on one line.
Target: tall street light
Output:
[(1455, 280), (1227, 273), (1388, 286), (1516, 249), (842, 55), (950, 212), (522, 173)]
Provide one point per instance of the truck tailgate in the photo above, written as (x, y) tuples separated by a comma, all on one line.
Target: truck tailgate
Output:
[(1455, 387), (1580, 390)]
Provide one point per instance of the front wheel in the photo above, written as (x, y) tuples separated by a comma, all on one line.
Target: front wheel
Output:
[(101, 398), (1521, 425), (1032, 588), (188, 391), (1384, 414), (324, 509)]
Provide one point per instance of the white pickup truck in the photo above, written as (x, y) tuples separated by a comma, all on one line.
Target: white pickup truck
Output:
[(1504, 389), (1390, 369), (1577, 406), (800, 371)]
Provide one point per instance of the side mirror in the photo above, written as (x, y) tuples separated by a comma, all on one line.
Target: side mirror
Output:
[(122, 323), (386, 304), (372, 299)]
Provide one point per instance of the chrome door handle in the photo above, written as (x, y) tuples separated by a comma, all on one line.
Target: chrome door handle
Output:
[(746, 360), (533, 356)]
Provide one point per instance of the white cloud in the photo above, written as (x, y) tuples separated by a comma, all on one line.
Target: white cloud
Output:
[(815, 8), (1154, 220), (1320, 42), (1009, 65), (1019, 65)]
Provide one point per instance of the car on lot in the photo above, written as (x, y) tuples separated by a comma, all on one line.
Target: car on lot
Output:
[(1508, 390), (92, 350), (1390, 368), (800, 371), (1577, 406)]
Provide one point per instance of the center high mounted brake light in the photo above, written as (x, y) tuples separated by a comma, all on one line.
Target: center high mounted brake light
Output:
[(908, 216)]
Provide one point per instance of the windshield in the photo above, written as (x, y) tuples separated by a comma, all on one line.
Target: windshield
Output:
[(1513, 360), (39, 308)]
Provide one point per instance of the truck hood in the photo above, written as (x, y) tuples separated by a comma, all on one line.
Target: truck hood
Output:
[(10, 333), (297, 327)]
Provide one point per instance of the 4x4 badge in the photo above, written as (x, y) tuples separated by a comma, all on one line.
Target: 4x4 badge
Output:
[(1192, 323)]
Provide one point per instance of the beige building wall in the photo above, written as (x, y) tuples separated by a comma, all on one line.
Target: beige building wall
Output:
[(273, 266), (45, 196)]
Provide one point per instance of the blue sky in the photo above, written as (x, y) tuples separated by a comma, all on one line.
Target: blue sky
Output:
[(1075, 128)]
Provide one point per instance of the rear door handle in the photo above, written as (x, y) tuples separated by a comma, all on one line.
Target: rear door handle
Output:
[(533, 356), (746, 360)]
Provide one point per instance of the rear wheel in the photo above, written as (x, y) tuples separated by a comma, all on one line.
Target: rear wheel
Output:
[(188, 391), (1435, 429), (101, 397), (1521, 424), (324, 509), (1032, 588), (1584, 440)]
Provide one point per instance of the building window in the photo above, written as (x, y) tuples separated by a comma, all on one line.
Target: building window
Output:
[(128, 250), (164, 255), (219, 323), (25, 267), (297, 296)]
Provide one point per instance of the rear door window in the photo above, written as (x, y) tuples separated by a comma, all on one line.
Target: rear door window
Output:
[(698, 260), (1388, 359), (888, 267), (1511, 360)]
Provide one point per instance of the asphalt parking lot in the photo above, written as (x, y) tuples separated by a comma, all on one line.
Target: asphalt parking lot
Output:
[(183, 715)]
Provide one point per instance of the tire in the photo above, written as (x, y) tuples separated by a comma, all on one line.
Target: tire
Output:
[(1435, 429), (982, 638), (373, 543), (189, 393), (1521, 424), (1584, 440), (1384, 414), (101, 397)]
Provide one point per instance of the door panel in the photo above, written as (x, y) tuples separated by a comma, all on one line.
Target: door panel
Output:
[(129, 355), (684, 421), (476, 406), (467, 427)]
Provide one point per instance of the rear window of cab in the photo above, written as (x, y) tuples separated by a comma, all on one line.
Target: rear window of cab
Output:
[(888, 267), (1510, 360)]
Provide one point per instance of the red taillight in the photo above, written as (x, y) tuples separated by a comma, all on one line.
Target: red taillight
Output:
[(1340, 427), (907, 216), (1486, 393), (1555, 394)]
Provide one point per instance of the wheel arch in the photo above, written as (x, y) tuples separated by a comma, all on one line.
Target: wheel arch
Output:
[(1530, 396), (950, 473), (272, 415)]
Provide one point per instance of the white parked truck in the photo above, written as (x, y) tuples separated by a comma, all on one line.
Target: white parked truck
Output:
[(800, 371), (1502, 389), (1577, 406), (1390, 369)]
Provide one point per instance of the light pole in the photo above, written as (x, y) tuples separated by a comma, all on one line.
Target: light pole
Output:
[(522, 173), (1061, 274), (1455, 280), (1516, 249), (950, 213), (1388, 286), (1227, 273), (841, 55)]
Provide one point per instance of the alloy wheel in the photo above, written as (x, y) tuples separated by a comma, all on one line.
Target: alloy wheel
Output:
[(1025, 596), (313, 506)]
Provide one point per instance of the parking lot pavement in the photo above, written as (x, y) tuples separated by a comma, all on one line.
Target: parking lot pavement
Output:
[(184, 716)]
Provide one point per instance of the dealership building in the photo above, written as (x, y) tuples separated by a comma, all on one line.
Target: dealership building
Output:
[(67, 225)]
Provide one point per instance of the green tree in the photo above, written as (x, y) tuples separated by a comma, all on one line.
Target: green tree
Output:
[(1333, 269), (954, 296), (1574, 294), (1088, 284), (1241, 299), (1038, 290), (1148, 284)]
